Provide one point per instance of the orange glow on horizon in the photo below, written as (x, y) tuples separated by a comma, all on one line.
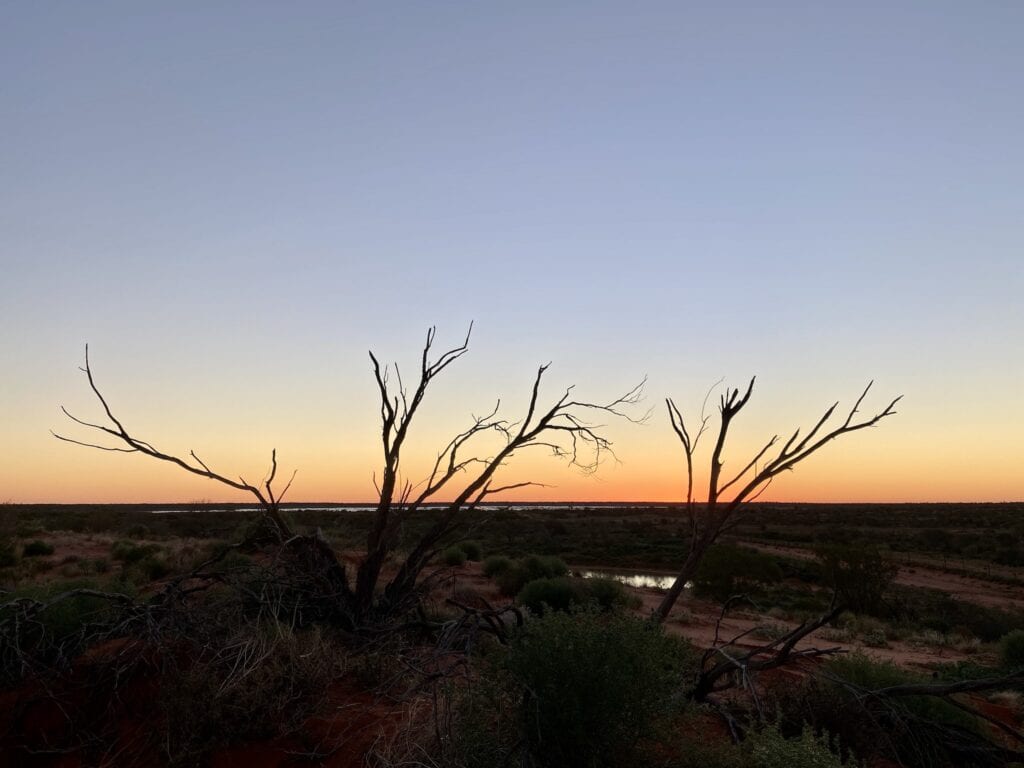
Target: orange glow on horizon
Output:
[(898, 462), (667, 490)]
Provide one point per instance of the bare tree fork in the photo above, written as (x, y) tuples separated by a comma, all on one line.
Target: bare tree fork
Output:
[(487, 619), (269, 502), (723, 510), (721, 665), (460, 470)]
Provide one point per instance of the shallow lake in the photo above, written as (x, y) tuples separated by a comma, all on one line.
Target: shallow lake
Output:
[(634, 578)]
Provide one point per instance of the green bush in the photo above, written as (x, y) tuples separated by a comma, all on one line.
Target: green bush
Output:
[(768, 748), (138, 531), (154, 567), (37, 548), (232, 561), (726, 570), (563, 592), (495, 565), (544, 566), (858, 573), (594, 687), (512, 580), (58, 623), (913, 730), (453, 556), (869, 673), (1011, 649), (610, 594), (557, 594), (486, 724), (65, 618), (933, 610), (472, 550), (129, 553)]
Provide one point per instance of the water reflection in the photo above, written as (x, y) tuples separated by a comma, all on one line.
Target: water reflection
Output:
[(634, 578)]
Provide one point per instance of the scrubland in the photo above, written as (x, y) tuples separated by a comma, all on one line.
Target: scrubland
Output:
[(187, 638)]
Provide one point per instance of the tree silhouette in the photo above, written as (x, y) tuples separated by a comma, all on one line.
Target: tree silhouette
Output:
[(268, 500), (460, 473), (722, 510), (461, 479)]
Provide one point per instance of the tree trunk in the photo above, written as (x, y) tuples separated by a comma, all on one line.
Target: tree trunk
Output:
[(686, 573)]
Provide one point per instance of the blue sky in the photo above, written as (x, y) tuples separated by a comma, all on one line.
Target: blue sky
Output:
[(232, 201)]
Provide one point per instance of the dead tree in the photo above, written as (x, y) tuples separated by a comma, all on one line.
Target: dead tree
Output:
[(462, 475), (459, 472), (724, 661), (722, 510), (268, 500)]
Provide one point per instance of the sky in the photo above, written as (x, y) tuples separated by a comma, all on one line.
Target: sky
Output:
[(231, 203)]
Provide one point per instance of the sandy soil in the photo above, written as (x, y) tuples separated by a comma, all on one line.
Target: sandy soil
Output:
[(696, 620)]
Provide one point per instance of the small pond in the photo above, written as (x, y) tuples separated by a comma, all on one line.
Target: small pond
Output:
[(633, 578)]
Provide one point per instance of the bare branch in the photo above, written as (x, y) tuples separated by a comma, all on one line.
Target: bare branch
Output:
[(720, 513), (137, 445), (560, 428)]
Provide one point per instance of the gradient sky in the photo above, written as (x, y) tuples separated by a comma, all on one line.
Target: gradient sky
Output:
[(232, 202)]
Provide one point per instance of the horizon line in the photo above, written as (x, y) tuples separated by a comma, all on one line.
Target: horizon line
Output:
[(509, 502)]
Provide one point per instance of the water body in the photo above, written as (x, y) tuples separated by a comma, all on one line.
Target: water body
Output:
[(483, 508), (345, 508), (635, 578)]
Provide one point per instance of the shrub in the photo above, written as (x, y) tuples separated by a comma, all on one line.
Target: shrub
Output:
[(594, 686), (943, 613), (231, 561), (869, 673), (154, 567), (472, 550), (1011, 649), (768, 748), (858, 573), (562, 592), (557, 594), (610, 594), (67, 617), (495, 565), (544, 566), (229, 558), (512, 580), (453, 556), (273, 692), (57, 627), (138, 531), (726, 569), (876, 638), (37, 548), (129, 553), (913, 730)]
